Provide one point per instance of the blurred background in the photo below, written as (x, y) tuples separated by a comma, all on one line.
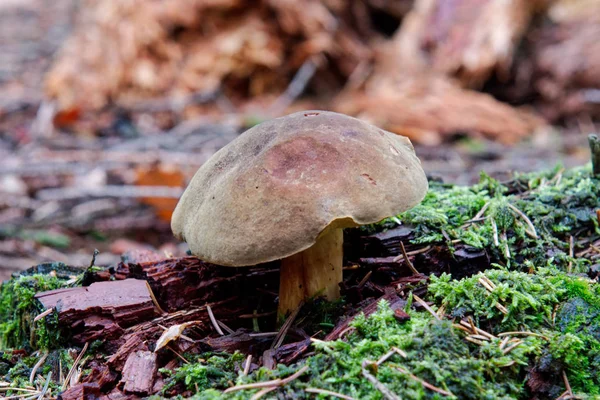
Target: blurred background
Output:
[(108, 107)]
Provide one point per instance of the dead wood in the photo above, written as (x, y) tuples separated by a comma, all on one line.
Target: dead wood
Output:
[(138, 373), (185, 282), (427, 108), (465, 39), (565, 60), (88, 390), (101, 311), (201, 47)]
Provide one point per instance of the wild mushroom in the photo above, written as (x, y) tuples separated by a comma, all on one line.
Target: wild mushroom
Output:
[(286, 188)]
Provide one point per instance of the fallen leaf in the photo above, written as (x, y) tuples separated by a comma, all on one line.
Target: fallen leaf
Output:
[(172, 333)]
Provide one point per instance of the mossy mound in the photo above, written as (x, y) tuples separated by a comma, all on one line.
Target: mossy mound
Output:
[(519, 329)]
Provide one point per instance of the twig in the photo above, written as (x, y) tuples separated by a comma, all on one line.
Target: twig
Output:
[(595, 152), (475, 329), (390, 353), (36, 366), (365, 279), (118, 191), (247, 366), (412, 253), (261, 393), (385, 357), (286, 326), (328, 393), (479, 337), (490, 286), (263, 334), (567, 384), (296, 87), (476, 341), (511, 347), (482, 211), (228, 329), (532, 232), (506, 248), (158, 307), (421, 302), (504, 342), (478, 216), (257, 315), (523, 333), (387, 393), (495, 232), (399, 351), (72, 370), (425, 383), (268, 384), (46, 385), (177, 354), (407, 261), (214, 320), (44, 314)]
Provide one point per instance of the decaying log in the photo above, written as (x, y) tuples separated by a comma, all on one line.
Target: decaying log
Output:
[(102, 310), (143, 336), (240, 340), (188, 282), (218, 46), (138, 373), (466, 39), (427, 107), (419, 87), (565, 58)]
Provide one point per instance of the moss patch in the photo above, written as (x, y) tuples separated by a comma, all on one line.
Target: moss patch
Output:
[(18, 308)]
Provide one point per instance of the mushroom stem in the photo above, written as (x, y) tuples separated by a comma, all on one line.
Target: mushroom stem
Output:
[(316, 271)]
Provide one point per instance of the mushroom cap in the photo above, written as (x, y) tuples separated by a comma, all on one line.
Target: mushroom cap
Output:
[(273, 190)]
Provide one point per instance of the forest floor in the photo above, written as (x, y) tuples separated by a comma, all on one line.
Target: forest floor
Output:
[(520, 317)]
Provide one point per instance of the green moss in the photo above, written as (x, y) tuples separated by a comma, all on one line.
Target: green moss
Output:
[(559, 204), (19, 369), (18, 308), (207, 371), (531, 300), (436, 352), (528, 298), (540, 285)]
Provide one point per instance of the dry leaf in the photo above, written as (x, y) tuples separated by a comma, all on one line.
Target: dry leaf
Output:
[(173, 333), (160, 175)]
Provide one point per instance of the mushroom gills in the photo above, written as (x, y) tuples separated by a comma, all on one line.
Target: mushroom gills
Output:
[(316, 271)]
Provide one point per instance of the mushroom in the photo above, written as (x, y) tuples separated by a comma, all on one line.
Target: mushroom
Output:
[(286, 188)]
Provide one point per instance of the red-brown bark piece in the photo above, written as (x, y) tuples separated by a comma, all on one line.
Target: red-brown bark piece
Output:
[(101, 375), (138, 373), (136, 337), (187, 282), (82, 391), (101, 310)]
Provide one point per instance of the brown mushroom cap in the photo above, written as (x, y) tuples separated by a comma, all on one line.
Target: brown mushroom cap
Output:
[(273, 190)]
